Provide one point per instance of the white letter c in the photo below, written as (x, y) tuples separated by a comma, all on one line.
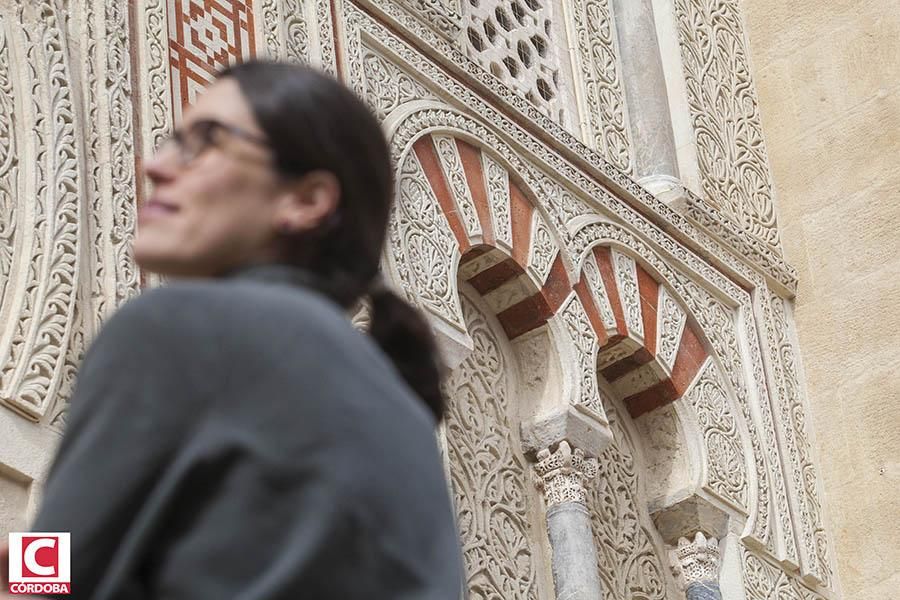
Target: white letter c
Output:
[(31, 557)]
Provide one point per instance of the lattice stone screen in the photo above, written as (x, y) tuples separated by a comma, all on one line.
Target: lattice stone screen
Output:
[(514, 40)]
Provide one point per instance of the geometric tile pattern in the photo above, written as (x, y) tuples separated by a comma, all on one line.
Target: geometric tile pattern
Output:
[(205, 35)]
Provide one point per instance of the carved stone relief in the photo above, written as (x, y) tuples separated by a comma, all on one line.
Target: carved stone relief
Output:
[(764, 581), (671, 324), (41, 242), (67, 194), (770, 523), (626, 278), (725, 114), (598, 64), (631, 561), (727, 474), (443, 16), (814, 551), (543, 248), (497, 180), (387, 86), (550, 150), (719, 325), (297, 31), (578, 246), (9, 160), (420, 228), (488, 474)]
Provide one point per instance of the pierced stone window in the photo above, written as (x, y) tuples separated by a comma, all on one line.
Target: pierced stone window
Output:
[(514, 40)]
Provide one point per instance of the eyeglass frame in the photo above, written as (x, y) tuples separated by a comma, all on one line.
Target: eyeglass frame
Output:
[(177, 139)]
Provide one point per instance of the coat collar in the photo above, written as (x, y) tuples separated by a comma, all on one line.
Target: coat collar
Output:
[(279, 273)]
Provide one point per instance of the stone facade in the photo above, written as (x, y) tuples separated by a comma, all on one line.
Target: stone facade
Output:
[(828, 80), (587, 220)]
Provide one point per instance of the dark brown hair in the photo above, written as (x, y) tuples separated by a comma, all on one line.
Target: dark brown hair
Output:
[(313, 122)]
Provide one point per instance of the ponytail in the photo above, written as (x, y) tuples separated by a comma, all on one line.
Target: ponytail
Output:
[(313, 122), (403, 334)]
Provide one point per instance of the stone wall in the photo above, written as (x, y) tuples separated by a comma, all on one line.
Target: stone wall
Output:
[(828, 77), (626, 375)]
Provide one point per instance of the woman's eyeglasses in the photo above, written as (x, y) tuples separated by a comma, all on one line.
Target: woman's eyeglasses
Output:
[(200, 136)]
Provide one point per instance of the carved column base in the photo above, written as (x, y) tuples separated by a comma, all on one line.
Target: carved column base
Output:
[(666, 189)]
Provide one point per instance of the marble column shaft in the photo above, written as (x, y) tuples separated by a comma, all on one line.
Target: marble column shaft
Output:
[(653, 141), (561, 476)]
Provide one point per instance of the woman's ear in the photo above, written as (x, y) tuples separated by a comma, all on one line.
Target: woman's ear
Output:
[(307, 202)]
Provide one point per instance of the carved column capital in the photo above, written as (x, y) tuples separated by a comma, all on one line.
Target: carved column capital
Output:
[(562, 474), (698, 559)]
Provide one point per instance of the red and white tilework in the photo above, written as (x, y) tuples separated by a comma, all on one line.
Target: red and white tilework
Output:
[(205, 35)]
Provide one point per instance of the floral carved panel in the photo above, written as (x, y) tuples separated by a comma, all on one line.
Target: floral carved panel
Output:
[(631, 563), (488, 474), (725, 114), (41, 183), (598, 63)]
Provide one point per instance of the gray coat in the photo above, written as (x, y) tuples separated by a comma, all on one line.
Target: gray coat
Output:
[(238, 438)]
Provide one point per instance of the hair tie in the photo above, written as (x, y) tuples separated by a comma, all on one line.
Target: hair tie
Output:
[(378, 285)]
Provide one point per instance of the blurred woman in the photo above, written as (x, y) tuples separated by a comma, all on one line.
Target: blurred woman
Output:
[(231, 434)]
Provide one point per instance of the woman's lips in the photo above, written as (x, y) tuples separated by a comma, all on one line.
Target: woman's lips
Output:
[(154, 208)]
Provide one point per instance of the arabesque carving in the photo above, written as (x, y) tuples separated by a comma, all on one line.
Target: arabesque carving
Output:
[(725, 114), (598, 62), (487, 473)]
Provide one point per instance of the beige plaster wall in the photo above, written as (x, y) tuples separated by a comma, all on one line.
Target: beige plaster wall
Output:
[(828, 76)]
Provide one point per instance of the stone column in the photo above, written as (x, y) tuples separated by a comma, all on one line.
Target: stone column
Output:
[(562, 474), (653, 142), (704, 540), (698, 562)]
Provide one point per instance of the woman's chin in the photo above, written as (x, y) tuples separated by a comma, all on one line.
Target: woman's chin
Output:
[(151, 260)]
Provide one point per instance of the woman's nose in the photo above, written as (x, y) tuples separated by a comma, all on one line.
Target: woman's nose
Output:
[(162, 166)]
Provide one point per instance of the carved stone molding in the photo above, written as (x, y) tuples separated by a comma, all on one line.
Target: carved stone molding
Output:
[(813, 543), (41, 244), (443, 16)]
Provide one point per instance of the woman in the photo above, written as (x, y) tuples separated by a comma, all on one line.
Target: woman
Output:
[(232, 435)]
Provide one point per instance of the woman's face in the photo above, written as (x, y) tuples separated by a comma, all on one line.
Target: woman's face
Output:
[(224, 206)]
